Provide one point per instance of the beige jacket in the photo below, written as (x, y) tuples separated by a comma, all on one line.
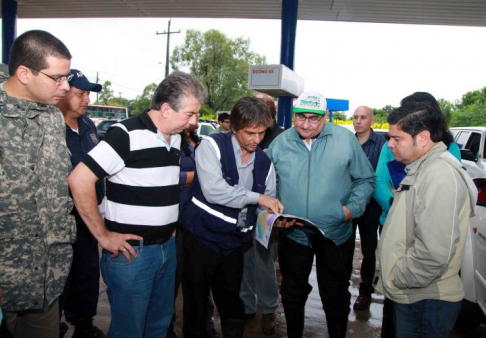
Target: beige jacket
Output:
[(422, 243)]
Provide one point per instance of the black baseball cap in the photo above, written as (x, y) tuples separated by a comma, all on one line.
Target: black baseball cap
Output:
[(81, 82)]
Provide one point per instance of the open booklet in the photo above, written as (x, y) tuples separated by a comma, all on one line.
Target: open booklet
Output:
[(266, 221)]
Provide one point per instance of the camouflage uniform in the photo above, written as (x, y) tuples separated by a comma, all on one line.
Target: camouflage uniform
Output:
[(36, 228)]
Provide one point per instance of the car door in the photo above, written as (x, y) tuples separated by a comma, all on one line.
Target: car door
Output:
[(471, 143)]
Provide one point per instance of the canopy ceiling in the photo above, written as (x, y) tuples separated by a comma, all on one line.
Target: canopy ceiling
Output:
[(433, 12)]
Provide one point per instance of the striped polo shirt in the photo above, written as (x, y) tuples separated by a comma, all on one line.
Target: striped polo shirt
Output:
[(142, 170)]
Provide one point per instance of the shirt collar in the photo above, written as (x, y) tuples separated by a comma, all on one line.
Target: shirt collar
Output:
[(147, 122), (373, 137), (238, 153)]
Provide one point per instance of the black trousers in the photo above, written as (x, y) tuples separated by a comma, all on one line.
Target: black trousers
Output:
[(80, 297), (205, 270), (333, 265), (368, 225)]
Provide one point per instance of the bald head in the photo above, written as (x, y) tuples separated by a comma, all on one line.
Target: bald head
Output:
[(363, 119), (270, 102)]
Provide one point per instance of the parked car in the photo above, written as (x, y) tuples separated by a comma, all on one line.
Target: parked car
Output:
[(471, 141), (205, 129), (104, 125), (97, 120)]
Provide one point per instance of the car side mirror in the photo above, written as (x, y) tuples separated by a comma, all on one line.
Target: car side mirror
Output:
[(468, 155)]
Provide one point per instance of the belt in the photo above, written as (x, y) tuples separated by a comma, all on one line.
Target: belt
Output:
[(149, 241)]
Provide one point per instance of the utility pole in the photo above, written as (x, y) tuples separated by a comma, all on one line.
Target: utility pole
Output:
[(168, 44)]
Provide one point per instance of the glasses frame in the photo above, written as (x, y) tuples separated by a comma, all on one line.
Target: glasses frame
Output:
[(58, 80), (301, 118)]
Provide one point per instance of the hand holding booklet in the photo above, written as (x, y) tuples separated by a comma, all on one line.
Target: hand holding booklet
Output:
[(266, 222)]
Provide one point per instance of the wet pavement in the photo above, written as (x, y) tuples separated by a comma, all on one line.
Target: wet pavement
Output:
[(360, 324)]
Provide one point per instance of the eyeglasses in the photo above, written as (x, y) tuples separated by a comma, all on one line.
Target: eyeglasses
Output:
[(58, 79), (313, 119)]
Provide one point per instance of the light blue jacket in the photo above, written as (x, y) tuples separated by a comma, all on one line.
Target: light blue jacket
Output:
[(316, 184)]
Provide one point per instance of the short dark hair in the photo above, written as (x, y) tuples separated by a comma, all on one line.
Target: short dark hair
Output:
[(250, 111), (32, 48), (415, 117), (223, 116), (175, 87), (429, 99)]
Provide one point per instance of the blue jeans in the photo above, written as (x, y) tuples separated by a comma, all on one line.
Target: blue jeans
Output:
[(425, 318), (141, 292)]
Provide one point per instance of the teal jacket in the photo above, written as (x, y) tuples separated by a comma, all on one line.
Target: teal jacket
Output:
[(382, 192), (316, 184)]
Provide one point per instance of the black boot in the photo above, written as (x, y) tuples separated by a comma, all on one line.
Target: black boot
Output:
[(232, 328)]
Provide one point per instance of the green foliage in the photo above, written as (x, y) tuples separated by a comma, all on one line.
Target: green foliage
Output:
[(206, 113), (107, 98), (447, 109), (382, 114), (339, 115), (470, 111), (477, 96), (472, 115), (142, 102), (220, 63)]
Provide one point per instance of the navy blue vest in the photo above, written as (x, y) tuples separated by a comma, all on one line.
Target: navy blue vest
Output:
[(216, 225)]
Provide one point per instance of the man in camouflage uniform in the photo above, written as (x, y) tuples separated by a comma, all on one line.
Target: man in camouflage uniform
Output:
[(36, 228)]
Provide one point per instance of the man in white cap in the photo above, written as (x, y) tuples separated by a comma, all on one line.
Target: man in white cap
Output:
[(80, 297), (324, 176)]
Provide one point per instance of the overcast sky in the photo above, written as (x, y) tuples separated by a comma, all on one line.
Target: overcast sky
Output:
[(368, 64)]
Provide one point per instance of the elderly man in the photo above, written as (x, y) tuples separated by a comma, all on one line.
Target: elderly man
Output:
[(324, 176), (423, 238), (233, 176), (369, 222), (80, 297), (140, 156), (36, 228)]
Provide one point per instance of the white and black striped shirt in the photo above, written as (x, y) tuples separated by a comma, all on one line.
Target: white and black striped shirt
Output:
[(142, 188)]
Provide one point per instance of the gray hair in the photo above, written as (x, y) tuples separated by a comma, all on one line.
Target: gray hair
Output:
[(176, 86)]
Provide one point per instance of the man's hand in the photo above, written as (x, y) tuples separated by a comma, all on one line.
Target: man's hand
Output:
[(116, 243), (347, 213), (284, 222), (271, 203)]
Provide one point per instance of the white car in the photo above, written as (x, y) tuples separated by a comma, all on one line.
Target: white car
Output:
[(471, 141), (205, 129)]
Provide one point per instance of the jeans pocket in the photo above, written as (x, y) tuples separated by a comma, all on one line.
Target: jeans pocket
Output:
[(120, 260)]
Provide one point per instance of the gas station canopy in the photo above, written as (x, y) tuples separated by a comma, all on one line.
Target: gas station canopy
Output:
[(430, 12)]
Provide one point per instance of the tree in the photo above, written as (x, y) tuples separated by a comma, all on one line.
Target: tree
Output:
[(472, 115), (477, 96), (219, 62), (339, 115), (381, 115), (447, 109), (106, 94), (107, 97), (142, 102)]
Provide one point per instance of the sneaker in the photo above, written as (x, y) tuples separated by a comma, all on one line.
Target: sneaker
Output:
[(91, 332), (362, 303), (268, 323)]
